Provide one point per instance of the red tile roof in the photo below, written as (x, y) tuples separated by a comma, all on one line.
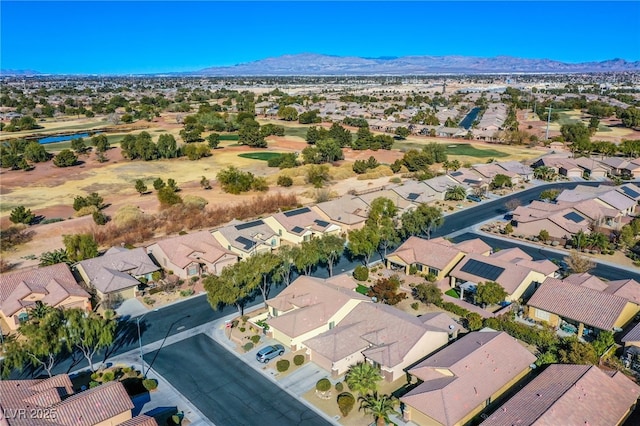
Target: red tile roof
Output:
[(569, 395), (578, 303)]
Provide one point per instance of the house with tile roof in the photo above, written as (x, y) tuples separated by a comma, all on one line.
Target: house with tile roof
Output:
[(303, 224), (310, 306), (525, 172), (560, 221), (247, 238), (471, 178), (441, 184), (436, 256), (627, 288), (117, 272), (106, 404), (52, 285), (416, 192), (514, 270), (458, 382), (349, 211), (579, 308), (491, 170), (380, 334), (631, 352), (567, 394), (591, 167), (191, 255)]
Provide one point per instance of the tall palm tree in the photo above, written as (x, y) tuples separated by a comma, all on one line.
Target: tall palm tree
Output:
[(456, 193), (380, 406), (579, 240), (363, 377)]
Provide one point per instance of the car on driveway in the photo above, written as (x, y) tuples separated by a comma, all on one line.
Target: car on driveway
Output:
[(268, 353), (474, 198)]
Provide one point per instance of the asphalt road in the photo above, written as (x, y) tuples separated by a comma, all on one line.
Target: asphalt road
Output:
[(224, 389)]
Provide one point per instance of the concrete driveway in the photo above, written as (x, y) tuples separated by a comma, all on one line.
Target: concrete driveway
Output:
[(224, 389)]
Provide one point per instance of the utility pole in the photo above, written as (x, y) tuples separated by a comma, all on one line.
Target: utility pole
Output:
[(548, 120)]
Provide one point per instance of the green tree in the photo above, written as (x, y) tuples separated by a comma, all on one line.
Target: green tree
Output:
[(167, 146), (306, 256), (89, 332), (330, 247), (54, 257), (402, 132), (379, 406), (490, 292), (192, 131), (65, 158), (572, 351), (80, 246), (288, 113), (603, 342), (363, 378), (437, 151), (594, 123), (265, 266), (21, 214), (41, 343), (158, 184), (235, 286), (309, 117), (168, 196), (385, 290), (234, 181), (455, 193), (427, 293), (421, 221), (363, 242), (544, 235), (100, 218), (213, 140), (473, 321), (549, 194), (339, 134), (78, 145), (415, 160), (100, 142), (287, 255), (249, 134), (140, 186), (204, 183), (35, 152), (545, 173), (317, 175), (579, 240), (500, 181)]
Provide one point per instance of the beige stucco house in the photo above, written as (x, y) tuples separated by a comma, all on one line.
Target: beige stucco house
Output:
[(299, 225), (247, 238), (191, 255)]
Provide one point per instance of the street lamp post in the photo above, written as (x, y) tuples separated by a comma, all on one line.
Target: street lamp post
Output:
[(140, 340)]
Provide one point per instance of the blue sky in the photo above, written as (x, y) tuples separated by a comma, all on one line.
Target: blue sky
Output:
[(122, 37)]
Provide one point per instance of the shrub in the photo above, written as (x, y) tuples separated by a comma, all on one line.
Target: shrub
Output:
[(93, 384), (361, 273), (52, 220), (298, 359), (242, 329), (247, 346), (415, 306), (285, 181), (339, 387), (244, 318), (346, 401), (185, 293), (323, 385), (94, 376), (150, 384), (149, 301), (255, 339), (108, 376), (282, 365)]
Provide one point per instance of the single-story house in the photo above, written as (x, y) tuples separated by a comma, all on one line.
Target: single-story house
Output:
[(458, 382), (471, 178), (525, 172), (436, 256), (569, 168), (380, 334), (516, 272), (627, 288), (308, 307), (560, 221), (440, 184), (490, 171), (105, 405), (579, 309), (191, 255), (416, 192), (298, 225), (117, 272), (568, 394), (52, 285), (349, 211), (618, 201), (247, 238), (631, 341)]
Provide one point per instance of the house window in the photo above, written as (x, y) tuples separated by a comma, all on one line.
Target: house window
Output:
[(434, 271), (23, 317), (307, 238), (543, 315), (273, 242), (192, 270), (332, 324), (275, 312), (280, 232)]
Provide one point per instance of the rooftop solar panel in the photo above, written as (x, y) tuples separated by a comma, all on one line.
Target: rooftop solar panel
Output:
[(630, 192), (321, 223), (456, 173), (573, 217), (247, 243), (297, 212), (297, 229), (481, 269), (249, 225), (412, 196)]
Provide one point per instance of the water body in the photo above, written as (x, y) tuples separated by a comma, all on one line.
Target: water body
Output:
[(62, 138), (468, 120)]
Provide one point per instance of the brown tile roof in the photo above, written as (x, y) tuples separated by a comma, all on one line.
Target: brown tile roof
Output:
[(578, 303), (349, 210), (86, 408), (437, 253), (516, 256), (633, 335), (463, 375), (300, 220), (55, 283), (627, 288), (475, 246), (309, 303), (381, 332), (569, 395), (185, 249), (511, 277), (141, 420)]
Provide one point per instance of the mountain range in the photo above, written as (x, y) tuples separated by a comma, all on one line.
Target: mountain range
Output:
[(311, 64)]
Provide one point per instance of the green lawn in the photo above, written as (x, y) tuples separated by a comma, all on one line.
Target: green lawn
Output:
[(300, 132), (453, 293), (229, 137), (567, 118), (471, 151), (264, 156), (362, 289)]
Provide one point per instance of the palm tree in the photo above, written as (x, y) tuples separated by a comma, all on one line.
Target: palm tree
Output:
[(544, 173), (54, 257), (363, 377), (380, 406), (598, 240), (579, 239), (455, 192)]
